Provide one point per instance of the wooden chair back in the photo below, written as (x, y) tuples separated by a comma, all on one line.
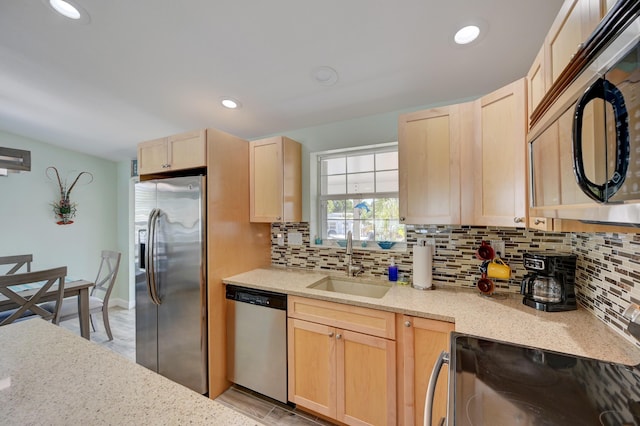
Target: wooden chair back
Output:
[(28, 300), (17, 261), (107, 273)]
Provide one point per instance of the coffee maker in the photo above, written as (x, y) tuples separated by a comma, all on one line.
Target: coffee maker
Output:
[(550, 284)]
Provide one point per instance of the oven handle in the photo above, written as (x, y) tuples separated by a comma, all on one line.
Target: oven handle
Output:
[(607, 91), (431, 388)]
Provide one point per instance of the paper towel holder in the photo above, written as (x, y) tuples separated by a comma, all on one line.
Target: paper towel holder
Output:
[(422, 242)]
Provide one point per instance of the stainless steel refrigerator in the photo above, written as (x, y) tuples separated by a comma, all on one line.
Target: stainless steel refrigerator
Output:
[(171, 291)]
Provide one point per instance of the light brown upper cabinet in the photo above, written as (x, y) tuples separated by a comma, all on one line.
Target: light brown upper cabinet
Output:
[(536, 85), (494, 167), (275, 180), (183, 151), (429, 165), (575, 21)]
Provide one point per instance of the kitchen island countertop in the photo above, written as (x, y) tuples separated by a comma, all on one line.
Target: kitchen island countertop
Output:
[(503, 317), (50, 376)]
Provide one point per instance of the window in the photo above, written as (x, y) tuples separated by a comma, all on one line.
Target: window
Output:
[(357, 191)]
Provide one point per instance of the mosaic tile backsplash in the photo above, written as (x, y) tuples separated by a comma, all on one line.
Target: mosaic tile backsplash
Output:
[(608, 268)]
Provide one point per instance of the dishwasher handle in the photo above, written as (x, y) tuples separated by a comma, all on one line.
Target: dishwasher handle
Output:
[(431, 388)]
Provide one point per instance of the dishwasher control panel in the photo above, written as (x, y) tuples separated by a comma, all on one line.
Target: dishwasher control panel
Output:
[(264, 298)]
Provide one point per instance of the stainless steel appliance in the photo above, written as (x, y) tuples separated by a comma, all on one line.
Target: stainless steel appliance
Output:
[(550, 284), (585, 148), (171, 314), (257, 340), (497, 383)]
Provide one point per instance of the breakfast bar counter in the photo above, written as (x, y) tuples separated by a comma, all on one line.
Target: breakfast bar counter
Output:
[(50, 376), (503, 317)]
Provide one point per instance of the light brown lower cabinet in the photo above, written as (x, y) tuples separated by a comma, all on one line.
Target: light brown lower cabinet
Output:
[(420, 342), (337, 370), (363, 366)]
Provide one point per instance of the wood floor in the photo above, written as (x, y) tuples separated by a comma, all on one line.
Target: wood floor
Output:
[(264, 409)]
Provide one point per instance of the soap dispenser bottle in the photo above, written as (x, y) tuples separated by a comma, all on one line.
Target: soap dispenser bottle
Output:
[(393, 271)]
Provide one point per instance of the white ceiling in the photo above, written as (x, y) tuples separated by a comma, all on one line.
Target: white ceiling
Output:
[(142, 69)]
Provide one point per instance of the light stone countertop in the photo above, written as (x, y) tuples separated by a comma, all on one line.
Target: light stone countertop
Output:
[(51, 376), (502, 318)]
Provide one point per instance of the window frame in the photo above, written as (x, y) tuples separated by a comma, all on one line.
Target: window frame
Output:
[(317, 199)]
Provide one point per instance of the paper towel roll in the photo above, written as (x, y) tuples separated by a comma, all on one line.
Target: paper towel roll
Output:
[(422, 265)]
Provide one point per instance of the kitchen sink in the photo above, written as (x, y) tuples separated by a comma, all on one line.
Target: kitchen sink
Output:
[(354, 287)]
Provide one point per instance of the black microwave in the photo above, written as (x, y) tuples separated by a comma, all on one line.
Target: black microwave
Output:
[(584, 151)]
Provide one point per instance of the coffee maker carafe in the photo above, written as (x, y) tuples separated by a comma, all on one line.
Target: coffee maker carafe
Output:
[(550, 284)]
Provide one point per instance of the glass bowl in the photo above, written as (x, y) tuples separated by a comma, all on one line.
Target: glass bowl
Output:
[(386, 245)]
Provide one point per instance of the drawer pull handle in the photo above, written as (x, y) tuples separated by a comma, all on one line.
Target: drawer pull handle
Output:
[(539, 221)]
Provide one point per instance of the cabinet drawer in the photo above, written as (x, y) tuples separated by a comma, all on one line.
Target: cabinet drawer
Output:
[(354, 318)]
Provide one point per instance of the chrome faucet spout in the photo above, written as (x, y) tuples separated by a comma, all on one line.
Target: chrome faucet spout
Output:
[(352, 270)]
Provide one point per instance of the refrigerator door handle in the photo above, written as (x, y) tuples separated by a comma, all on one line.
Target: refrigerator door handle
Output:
[(151, 255), (431, 389)]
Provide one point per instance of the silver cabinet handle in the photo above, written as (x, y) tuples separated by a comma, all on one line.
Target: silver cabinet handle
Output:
[(331, 334), (279, 218), (338, 336), (518, 219), (402, 219), (539, 221), (431, 388), (407, 323)]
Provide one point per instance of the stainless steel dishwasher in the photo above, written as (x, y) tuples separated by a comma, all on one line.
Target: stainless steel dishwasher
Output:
[(257, 340)]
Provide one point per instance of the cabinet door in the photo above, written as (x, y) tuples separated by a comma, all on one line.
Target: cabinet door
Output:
[(152, 156), (422, 342), (312, 366), (266, 180), (429, 166), (497, 163), (187, 150), (574, 23), (366, 379), (536, 86)]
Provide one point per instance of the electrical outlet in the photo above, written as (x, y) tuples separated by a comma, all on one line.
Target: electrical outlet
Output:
[(280, 240), (498, 247), (421, 242), (294, 238)]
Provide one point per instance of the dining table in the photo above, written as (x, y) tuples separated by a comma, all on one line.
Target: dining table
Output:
[(72, 288)]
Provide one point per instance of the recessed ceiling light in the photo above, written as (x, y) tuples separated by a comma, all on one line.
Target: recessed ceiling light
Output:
[(467, 34), (325, 76), (69, 9), (65, 9), (230, 103)]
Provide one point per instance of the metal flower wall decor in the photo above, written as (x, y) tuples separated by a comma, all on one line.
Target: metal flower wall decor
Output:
[(64, 209)]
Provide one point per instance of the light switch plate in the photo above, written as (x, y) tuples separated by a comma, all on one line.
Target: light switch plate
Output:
[(294, 238)]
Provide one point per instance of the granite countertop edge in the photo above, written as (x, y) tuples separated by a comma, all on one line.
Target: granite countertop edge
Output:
[(503, 317)]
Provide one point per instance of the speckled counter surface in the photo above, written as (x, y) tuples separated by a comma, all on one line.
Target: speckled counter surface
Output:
[(50, 376), (502, 318)]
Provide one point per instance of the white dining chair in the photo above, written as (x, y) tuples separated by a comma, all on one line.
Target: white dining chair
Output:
[(100, 293), (27, 299)]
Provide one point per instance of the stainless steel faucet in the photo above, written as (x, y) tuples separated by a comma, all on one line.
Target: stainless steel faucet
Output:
[(352, 270)]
